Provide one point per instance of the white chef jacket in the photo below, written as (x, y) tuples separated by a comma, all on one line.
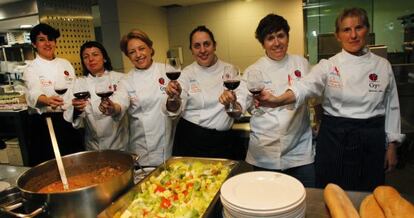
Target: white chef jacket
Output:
[(101, 131), (39, 78), (201, 89), (359, 87), (141, 94), (281, 138)]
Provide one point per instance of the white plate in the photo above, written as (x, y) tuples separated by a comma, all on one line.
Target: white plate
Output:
[(262, 190), (264, 213), (297, 213)]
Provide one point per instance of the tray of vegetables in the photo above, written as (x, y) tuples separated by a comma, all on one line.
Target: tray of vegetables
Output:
[(183, 187)]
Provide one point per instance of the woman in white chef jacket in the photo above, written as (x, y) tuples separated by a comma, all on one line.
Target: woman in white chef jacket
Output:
[(101, 132), (280, 138), (140, 95), (203, 129), (39, 78), (360, 127)]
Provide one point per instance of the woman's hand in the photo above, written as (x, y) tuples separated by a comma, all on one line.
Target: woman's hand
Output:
[(79, 104), (54, 101), (227, 97), (391, 158), (173, 89), (108, 107), (265, 99)]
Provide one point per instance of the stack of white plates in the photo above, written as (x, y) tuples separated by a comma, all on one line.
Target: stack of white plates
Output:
[(263, 194)]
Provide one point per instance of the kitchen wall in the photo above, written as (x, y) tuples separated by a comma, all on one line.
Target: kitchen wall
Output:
[(320, 17), (233, 24), (131, 15)]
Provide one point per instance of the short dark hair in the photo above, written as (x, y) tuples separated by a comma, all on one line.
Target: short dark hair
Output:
[(202, 29), (52, 33), (271, 23), (90, 44), (352, 12), (135, 34)]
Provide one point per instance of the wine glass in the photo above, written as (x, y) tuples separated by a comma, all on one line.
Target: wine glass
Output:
[(104, 87), (231, 79), (80, 88), (60, 86), (172, 70), (255, 84)]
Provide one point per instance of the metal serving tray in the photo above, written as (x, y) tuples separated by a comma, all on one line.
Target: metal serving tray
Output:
[(122, 203)]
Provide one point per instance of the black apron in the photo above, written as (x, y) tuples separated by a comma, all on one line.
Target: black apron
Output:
[(351, 153), (192, 140)]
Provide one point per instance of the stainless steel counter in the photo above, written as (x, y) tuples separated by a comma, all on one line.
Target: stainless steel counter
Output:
[(9, 173)]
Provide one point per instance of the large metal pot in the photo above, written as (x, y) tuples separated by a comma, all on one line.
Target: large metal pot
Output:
[(84, 202)]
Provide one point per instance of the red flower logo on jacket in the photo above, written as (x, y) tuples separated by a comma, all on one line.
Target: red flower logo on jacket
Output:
[(161, 81), (373, 77), (298, 74)]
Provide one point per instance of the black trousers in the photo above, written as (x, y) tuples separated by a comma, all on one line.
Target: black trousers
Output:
[(192, 140), (69, 139), (350, 153)]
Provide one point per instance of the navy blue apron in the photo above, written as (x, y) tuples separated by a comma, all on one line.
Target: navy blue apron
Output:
[(351, 153)]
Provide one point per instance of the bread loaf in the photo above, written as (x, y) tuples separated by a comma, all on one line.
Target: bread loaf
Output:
[(370, 208), (338, 202), (391, 202)]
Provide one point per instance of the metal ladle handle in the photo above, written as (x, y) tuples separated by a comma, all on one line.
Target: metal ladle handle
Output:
[(57, 154)]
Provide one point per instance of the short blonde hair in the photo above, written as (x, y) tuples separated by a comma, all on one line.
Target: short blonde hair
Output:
[(352, 12), (135, 34)]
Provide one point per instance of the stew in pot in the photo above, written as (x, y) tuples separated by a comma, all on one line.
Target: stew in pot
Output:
[(83, 180)]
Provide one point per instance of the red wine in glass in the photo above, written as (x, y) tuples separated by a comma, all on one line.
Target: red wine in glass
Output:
[(232, 84), (104, 95), (255, 91), (61, 91), (173, 75), (82, 95)]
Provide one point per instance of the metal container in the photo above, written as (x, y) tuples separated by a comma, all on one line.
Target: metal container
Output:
[(120, 205), (83, 202)]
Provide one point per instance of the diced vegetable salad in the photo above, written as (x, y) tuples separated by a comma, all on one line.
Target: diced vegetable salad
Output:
[(182, 190)]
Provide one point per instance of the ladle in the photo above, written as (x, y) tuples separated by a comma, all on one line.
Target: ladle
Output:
[(57, 154)]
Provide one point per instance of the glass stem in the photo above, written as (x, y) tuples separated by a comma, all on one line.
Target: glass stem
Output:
[(231, 106)]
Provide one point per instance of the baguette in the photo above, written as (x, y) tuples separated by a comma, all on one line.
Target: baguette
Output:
[(370, 208), (338, 202), (392, 203)]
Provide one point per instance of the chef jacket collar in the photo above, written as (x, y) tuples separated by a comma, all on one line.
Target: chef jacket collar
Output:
[(346, 56), (137, 70), (90, 75), (210, 69), (45, 60), (277, 63)]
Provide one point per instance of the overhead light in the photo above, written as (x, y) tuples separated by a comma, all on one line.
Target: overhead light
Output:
[(25, 26)]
